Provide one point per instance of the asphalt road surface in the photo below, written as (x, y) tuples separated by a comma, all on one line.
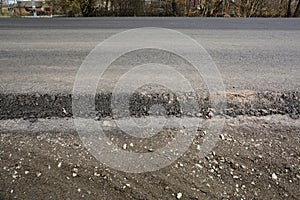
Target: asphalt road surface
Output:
[(43, 55)]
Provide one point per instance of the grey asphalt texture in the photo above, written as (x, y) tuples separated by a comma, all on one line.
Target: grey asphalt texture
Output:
[(39, 58)]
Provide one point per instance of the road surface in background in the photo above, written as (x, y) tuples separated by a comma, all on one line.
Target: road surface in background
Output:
[(43, 55)]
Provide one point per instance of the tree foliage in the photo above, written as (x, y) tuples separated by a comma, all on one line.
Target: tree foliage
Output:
[(207, 8)]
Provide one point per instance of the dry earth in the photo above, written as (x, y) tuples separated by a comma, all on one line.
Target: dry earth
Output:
[(255, 158)]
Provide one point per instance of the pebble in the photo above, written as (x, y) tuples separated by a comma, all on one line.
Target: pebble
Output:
[(96, 174), (26, 172), (124, 146), (274, 176), (210, 114), (199, 166), (38, 174), (59, 165), (198, 115), (64, 111), (179, 195), (222, 137)]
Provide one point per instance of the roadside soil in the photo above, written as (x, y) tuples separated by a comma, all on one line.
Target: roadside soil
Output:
[(255, 158)]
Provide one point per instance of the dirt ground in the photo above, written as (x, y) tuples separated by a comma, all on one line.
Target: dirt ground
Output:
[(255, 158)]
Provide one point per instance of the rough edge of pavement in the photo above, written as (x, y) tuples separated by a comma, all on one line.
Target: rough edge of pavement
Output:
[(248, 103)]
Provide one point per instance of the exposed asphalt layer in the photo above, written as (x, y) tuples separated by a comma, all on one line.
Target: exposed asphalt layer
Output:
[(237, 103), (258, 60)]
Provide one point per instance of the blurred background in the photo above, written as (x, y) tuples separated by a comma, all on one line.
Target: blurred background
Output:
[(191, 8)]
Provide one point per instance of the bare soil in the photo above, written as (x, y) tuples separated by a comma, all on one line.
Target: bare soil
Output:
[(255, 158)]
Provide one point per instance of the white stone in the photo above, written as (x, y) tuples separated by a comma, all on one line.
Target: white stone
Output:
[(274, 176), (179, 195), (199, 166)]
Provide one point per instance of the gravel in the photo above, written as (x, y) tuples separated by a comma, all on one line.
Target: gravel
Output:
[(257, 159)]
